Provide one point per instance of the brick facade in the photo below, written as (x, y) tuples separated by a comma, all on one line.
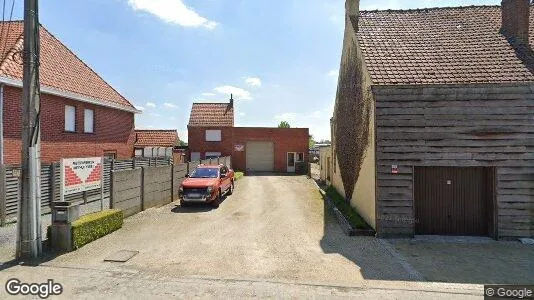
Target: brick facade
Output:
[(113, 129), (285, 140)]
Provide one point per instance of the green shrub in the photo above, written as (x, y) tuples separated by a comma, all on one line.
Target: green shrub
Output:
[(346, 209), (238, 175), (94, 226)]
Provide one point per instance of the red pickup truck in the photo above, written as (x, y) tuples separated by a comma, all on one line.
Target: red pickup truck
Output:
[(207, 184)]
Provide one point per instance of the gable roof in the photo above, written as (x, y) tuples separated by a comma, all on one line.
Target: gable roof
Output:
[(454, 45), (61, 71), (156, 138), (212, 114)]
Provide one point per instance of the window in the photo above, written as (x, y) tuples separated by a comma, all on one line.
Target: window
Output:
[(209, 155), (138, 152), (70, 118), (300, 157), (213, 136), (89, 120), (195, 156), (111, 154)]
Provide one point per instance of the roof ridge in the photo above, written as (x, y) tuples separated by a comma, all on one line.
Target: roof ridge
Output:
[(432, 8), (85, 64), (211, 103), (173, 130)]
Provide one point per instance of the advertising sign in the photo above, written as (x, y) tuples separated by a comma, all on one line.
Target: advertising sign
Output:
[(239, 148), (80, 174)]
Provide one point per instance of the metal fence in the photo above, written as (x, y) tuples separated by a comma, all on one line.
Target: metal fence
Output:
[(50, 181)]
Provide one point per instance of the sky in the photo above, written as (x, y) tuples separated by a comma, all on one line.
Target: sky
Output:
[(279, 58)]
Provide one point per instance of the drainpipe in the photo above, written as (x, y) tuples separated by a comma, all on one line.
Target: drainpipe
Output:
[(2, 168)]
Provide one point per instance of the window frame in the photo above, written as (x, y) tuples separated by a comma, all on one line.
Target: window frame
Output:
[(85, 120), (65, 129), (219, 131)]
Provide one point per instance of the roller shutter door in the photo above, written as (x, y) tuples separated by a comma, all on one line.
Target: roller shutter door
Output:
[(260, 156)]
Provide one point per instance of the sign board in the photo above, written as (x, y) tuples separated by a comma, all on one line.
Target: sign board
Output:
[(394, 169), (239, 148), (80, 174)]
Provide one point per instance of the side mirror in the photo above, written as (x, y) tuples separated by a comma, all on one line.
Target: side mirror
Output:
[(186, 175)]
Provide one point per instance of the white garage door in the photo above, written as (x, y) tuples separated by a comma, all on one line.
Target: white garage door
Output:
[(260, 156)]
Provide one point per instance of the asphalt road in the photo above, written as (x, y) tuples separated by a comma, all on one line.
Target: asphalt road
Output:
[(273, 233)]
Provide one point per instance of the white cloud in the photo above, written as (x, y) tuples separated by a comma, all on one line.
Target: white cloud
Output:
[(170, 105), (286, 116), (253, 81), (173, 11), (150, 104), (239, 93), (242, 114), (153, 114), (333, 73), (208, 94)]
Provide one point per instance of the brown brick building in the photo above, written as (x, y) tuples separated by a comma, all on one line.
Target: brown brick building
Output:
[(81, 115), (211, 133)]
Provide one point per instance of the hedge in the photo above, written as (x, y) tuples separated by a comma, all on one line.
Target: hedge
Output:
[(348, 211), (94, 226), (238, 175)]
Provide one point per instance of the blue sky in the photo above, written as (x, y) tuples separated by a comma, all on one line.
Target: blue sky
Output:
[(279, 58)]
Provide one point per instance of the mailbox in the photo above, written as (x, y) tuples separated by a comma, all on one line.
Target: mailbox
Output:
[(65, 212)]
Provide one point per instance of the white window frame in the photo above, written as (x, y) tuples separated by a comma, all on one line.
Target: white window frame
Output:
[(86, 128), (213, 135), (212, 154), (70, 118)]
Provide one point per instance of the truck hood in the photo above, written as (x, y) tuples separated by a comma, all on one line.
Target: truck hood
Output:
[(199, 182)]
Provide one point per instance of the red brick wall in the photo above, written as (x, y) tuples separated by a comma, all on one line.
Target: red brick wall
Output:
[(285, 140), (113, 129)]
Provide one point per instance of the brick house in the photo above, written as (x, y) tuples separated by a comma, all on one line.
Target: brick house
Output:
[(81, 114), (433, 127), (158, 143), (211, 133)]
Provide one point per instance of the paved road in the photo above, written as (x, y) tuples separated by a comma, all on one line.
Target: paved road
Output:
[(272, 237)]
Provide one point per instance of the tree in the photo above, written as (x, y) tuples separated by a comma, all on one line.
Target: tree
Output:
[(182, 143), (284, 124), (311, 142)]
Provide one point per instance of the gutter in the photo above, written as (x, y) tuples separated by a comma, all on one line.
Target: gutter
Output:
[(69, 95)]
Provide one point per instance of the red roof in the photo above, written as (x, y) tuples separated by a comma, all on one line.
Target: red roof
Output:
[(212, 114), (441, 46), (156, 138), (60, 70)]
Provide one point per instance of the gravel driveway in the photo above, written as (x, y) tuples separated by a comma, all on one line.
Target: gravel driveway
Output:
[(272, 227)]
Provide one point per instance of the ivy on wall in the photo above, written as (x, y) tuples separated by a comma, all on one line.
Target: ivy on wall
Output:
[(352, 112)]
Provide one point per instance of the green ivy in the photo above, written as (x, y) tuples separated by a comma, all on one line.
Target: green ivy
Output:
[(348, 211), (94, 226)]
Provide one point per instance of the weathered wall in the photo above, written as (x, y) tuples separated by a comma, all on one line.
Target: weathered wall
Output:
[(325, 163), (463, 125), (113, 129), (126, 191), (157, 186), (352, 125)]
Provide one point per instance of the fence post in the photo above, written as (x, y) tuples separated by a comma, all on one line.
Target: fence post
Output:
[(134, 164), (172, 183), (3, 206), (111, 179), (142, 188)]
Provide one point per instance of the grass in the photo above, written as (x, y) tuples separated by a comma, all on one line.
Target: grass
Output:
[(238, 175), (348, 211)]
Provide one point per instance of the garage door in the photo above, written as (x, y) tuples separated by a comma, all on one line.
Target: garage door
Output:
[(453, 201), (260, 156)]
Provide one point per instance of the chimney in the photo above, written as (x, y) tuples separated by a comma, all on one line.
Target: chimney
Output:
[(231, 104), (515, 19), (352, 8)]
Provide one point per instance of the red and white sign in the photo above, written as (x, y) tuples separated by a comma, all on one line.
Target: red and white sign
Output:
[(394, 169), (239, 148), (80, 174)]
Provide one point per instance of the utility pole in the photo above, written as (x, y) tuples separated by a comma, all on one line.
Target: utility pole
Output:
[(29, 214)]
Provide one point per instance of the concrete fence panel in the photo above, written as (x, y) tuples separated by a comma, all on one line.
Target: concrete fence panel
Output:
[(157, 186), (179, 173), (126, 191)]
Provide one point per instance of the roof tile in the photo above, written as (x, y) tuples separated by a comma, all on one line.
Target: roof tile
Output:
[(212, 114), (156, 138)]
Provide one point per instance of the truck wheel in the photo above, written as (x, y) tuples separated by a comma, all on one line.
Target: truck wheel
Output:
[(215, 203), (231, 188)]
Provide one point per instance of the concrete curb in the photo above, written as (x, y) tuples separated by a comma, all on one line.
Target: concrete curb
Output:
[(412, 273)]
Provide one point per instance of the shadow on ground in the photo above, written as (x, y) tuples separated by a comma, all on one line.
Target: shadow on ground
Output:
[(193, 208), (439, 259)]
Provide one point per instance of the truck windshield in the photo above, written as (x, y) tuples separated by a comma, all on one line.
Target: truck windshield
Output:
[(205, 173)]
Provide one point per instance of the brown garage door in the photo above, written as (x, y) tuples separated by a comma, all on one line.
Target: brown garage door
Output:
[(453, 201)]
